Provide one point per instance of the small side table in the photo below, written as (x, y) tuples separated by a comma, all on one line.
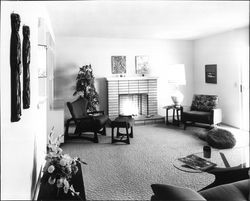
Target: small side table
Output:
[(177, 110)]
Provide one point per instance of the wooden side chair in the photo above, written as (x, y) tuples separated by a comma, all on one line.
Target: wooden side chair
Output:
[(85, 121)]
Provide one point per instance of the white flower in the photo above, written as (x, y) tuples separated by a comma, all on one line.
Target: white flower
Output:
[(75, 169), (73, 191), (59, 150), (51, 168), (53, 147), (52, 154), (65, 189), (63, 162), (65, 182), (59, 183), (67, 158), (66, 186), (51, 180), (68, 169)]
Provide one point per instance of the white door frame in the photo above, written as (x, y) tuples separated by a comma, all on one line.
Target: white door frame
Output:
[(244, 89)]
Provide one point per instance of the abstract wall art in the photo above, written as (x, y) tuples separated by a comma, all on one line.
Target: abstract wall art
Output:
[(118, 64)]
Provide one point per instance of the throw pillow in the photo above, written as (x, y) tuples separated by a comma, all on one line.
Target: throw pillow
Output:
[(204, 103)]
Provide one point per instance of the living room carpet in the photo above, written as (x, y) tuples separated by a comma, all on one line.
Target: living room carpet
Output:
[(125, 172)]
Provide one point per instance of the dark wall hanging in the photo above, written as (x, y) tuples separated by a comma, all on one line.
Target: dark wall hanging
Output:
[(211, 73), (15, 65), (26, 69)]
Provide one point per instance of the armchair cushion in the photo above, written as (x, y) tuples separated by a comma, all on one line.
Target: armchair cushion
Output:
[(204, 102), (197, 116), (101, 119), (170, 192), (93, 123)]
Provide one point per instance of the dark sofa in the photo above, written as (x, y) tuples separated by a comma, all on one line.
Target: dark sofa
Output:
[(236, 191)]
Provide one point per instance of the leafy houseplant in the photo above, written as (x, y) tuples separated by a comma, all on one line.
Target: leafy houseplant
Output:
[(59, 167), (85, 87)]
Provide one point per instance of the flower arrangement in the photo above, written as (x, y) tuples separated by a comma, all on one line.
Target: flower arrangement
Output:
[(59, 167)]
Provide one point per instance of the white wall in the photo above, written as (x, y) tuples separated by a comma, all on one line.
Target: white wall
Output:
[(224, 50), (74, 52), (23, 143)]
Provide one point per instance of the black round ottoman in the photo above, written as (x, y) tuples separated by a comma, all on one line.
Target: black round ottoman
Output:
[(220, 138)]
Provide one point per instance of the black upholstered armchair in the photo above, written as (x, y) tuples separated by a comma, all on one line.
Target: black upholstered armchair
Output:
[(203, 110), (85, 121)]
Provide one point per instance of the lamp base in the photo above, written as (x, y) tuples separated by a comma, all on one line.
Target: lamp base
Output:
[(177, 98)]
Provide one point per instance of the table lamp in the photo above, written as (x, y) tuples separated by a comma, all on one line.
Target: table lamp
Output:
[(177, 77)]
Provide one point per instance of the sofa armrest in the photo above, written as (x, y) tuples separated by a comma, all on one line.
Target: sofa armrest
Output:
[(171, 192), (233, 191), (217, 115)]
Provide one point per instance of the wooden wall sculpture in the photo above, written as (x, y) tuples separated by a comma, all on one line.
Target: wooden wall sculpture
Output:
[(26, 70), (15, 65)]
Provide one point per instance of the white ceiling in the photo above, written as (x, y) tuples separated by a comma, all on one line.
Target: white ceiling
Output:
[(146, 19)]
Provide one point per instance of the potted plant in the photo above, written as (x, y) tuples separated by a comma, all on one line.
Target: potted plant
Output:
[(85, 87)]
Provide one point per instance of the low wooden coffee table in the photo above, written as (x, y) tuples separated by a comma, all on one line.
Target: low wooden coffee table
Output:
[(232, 165)]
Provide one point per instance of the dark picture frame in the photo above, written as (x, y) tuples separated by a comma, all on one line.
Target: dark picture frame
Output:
[(211, 73)]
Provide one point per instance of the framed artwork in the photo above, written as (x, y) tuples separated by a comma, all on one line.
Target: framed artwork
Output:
[(211, 73), (141, 65), (118, 64)]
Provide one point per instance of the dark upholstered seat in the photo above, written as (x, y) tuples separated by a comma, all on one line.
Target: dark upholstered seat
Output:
[(85, 121), (198, 116), (203, 110)]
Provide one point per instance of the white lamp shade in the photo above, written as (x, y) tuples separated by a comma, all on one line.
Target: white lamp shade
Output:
[(176, 74), (177, 97)]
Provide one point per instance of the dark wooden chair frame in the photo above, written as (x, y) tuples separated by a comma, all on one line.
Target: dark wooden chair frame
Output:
[(79, 130)]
